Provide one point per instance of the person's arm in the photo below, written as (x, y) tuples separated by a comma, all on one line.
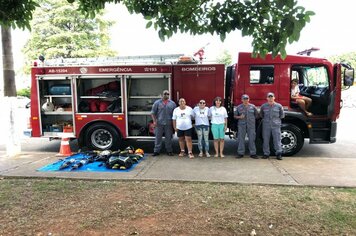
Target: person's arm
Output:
[(256, 112), (154, 114), (281, 112), (174, 122), (261, 112), (154, 119)]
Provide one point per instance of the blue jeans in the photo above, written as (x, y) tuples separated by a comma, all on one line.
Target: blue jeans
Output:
[(203, 137)]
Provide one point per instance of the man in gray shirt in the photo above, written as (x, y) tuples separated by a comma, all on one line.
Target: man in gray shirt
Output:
[(161, 113), (246, 114), (272, 114)]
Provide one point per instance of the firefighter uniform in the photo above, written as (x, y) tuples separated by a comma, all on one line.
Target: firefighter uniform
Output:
[(271, 124), (246, 124), (163, 112)]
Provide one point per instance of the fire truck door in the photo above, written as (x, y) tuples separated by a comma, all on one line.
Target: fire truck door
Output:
[(335, 93)]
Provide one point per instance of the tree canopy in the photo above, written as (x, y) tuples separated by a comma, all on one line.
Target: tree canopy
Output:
[(60, 30), (349, 58), (271, 23)]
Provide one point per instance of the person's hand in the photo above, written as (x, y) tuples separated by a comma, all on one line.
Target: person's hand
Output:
[(242, 116)]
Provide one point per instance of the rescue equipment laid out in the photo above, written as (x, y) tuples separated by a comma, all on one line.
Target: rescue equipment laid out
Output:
[(99, 161)]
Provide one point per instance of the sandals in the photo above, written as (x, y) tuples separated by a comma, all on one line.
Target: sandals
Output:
[(191, 156)]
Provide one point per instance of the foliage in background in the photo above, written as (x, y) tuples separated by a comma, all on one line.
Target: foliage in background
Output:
[(225, 58), (25, 92), (271, 23), (59, 30), (349, 58), (17, 14)]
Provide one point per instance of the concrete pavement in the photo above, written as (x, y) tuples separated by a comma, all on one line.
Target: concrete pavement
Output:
[(313, 171)]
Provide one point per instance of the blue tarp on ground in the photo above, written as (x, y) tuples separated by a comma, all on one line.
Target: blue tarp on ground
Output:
[(96, 166)]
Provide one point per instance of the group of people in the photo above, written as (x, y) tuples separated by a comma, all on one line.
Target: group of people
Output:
[(271, 113), (165, 115)]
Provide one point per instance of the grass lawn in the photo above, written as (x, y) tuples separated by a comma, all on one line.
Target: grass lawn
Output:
[(77, 207)]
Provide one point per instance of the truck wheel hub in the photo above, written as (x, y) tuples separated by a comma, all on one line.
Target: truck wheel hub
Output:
[(101, 138), (288, 139)]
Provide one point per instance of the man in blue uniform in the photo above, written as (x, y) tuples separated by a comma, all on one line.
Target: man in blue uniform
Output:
[(161, 114), (272, 114), (246, 114)]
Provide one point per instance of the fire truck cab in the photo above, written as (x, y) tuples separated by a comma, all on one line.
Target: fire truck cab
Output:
[(318, 79)]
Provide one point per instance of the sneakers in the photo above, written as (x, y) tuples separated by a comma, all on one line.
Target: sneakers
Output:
[(254, 156), (182, 153), (155, 154), (207, 154), (265, 157), (239, 156), (201, 154), (279, 156)]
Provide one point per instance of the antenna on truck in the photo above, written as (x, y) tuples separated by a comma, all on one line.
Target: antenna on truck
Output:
[(308, 51)]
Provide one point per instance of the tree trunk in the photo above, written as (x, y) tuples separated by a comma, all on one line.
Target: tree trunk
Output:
[(13, 144), (8, 63)]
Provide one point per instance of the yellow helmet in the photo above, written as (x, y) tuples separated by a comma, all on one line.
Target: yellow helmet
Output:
[(139, 151)]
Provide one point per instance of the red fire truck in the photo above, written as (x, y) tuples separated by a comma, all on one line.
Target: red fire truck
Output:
[(104, 103)]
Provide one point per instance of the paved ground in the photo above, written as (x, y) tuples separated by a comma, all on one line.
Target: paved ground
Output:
[(316, 171)]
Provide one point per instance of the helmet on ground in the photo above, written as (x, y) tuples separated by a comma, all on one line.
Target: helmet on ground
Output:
[(139, 151)]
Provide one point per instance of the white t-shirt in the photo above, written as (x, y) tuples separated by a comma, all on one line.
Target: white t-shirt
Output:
[(295, 91), (183, 117), (201, 115), (218, 115)]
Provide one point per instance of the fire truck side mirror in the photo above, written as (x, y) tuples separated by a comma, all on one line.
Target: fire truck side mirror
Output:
[(349, 76)]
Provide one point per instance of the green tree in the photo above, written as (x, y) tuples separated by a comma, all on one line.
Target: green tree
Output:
[(59, 30), (349, 58), (271, 23), (225, 58)]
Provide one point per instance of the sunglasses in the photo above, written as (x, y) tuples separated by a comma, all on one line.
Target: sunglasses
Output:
[(166, 94), (270, 96), (201, 102)]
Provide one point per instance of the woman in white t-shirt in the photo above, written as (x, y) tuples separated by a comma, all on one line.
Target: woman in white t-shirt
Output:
[(218, 116), (182, 124), (201, 115), (303, 102)]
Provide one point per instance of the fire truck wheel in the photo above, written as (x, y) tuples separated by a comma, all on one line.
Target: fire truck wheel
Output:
[(292, 139), (101, 136)]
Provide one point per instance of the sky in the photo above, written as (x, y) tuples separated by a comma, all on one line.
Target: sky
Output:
[(331, 30)]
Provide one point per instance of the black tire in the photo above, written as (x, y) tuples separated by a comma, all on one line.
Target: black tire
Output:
[(292, 139), (102, 136)]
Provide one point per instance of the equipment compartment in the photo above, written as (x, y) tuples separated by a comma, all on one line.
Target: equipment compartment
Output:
[(99, 94), (55, 104), (142, 92)]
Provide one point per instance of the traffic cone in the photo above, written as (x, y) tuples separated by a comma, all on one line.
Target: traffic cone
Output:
[(65, 148)]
